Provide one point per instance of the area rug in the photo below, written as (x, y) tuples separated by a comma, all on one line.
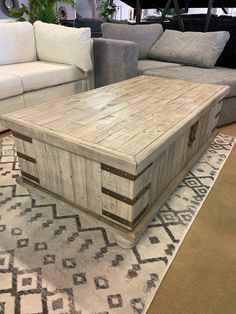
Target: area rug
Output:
[(56, 261)]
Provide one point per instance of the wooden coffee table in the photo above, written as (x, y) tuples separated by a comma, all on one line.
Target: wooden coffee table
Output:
[(119, 151)]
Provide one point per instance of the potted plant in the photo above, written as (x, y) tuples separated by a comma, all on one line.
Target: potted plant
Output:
[(107, 9), (42, 10)]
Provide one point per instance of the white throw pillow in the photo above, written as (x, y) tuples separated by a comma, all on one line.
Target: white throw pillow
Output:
[(61, 44), (17, 43)]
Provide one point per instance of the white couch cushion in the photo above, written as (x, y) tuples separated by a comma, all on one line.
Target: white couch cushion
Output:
[(17, 43), (9, 86), (56, 43), (40, 74)]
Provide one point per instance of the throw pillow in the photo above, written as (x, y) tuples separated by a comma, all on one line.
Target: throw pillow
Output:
[(143, 35), (61, 44), (190, 48)]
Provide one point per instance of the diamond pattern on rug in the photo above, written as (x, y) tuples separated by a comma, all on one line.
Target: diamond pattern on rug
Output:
[(56, 261)]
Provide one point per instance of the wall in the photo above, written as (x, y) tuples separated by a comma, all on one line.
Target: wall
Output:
[(214, 11), (2, 16), (71, 12), (123, 10), (86, 8)]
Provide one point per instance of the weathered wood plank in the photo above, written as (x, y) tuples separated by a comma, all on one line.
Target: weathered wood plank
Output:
[(115, 152), (101, 123), (79, 180), (117, 184), (42, 164), (54, 169), (118, 229), (94, 185), (66, 174)]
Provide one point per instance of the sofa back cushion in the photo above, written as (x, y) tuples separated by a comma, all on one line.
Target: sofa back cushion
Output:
[(17, 43), (190, 48), (143, 35), (61, 44)]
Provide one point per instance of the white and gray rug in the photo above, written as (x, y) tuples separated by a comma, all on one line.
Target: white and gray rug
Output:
[(55, 261)]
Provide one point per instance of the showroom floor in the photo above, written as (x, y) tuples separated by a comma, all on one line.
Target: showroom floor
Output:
[(202, 278)]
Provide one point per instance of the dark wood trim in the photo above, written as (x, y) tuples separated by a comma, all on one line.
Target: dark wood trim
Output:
[(22, 137), (29, 176), (123, 174), (125, 199), (124, 221), (137, 218), (26, 157)]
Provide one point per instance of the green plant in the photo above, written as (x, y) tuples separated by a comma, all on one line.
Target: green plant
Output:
[(107, 8), (42, 10)]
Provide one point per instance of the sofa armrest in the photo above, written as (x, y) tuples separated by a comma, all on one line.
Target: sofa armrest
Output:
[(114, 60)]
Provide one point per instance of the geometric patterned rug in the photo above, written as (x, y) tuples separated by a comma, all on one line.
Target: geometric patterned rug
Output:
[(56, 261)]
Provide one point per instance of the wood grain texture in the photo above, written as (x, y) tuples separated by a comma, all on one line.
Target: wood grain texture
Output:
[(26, 155), (118, 151), (125, 123), (140, 226), (70, 175)]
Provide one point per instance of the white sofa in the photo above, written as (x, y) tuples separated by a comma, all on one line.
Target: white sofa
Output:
[(42, 62)]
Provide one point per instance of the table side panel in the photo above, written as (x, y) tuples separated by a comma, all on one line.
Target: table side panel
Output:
[(116, 195), (125, 197), (66, 174), (176, 156)]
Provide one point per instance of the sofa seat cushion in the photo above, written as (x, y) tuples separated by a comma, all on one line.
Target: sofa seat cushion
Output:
[(9, 86), (40, 74), (145, 65), (217, 75)]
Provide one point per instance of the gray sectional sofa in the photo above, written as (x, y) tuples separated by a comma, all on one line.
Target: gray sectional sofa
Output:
[(147, 50)]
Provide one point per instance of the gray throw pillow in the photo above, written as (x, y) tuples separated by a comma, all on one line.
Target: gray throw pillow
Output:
[(190, 48), (144, 35)]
